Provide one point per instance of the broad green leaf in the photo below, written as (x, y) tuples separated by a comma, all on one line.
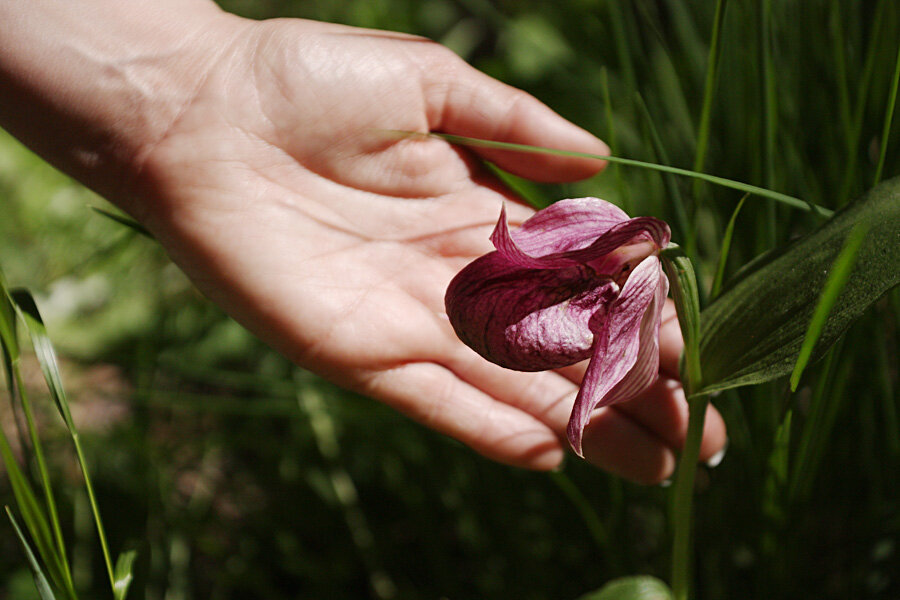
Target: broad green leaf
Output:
[(754, 331), (123, 574), (639, 587), (40, 580)]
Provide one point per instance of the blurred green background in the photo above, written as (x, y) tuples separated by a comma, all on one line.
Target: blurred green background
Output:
[(236, 475)]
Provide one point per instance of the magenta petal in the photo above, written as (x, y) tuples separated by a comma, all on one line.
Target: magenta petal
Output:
[(646, 367), (618, 335), (567, 225), (539, 249), (526, 319)]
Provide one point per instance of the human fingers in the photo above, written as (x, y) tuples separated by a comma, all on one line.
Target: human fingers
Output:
[(614, 441), (663, 411), (463, 101), (435, 397), (670, 341)]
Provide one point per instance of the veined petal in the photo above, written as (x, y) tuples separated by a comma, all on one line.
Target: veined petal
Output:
[(589, 243), (618, 335), (526, 319), (646, 368), (567, 225)]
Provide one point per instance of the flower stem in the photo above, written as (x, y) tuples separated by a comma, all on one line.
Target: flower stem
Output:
[(687, 305), (683, 497)]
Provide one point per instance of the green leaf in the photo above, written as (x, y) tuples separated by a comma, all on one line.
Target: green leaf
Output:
[(836, 281), (685, 294), (639, 587), (123, 574), (123, 220), (729, 183), (754, 331), (8, 326), (726, 247), (888, 117), (35, 519), (43, 349), (40, 580)]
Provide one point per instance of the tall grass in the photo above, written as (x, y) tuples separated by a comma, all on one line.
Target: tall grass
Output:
[(220, 482)]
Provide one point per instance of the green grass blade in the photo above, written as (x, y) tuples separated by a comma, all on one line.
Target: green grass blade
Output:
[(890, 418), (43, 349), (888, 117), (836, 26), (827, 397), (123, 220), (709, 87), (613, 141), (35, 519), (124, 574), (590, 517), (840, 271), (8, 326), (721, 181), (57, 558), (46, 356), (874, 40), (726, 247), (779, 462), (770, 117), (681, 215), (40, 580)]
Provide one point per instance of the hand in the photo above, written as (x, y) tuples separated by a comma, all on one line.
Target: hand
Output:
[(279, 190)]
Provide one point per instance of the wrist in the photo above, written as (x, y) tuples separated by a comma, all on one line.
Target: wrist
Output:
[(92, 86)]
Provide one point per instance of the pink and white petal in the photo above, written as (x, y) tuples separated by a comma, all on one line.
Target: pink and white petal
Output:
[(617, 344), (606, 251), (646, 369), (508, 248), (567, 225), (629, 241)]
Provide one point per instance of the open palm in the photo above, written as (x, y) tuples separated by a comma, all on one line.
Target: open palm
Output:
[(280, 190)]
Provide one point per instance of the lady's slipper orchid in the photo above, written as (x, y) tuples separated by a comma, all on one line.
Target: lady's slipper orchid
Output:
[(577, 280)]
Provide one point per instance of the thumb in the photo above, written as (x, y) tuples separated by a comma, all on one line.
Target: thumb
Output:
[(463, 101)]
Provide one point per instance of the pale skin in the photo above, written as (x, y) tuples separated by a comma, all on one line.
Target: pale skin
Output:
[(259, 156)]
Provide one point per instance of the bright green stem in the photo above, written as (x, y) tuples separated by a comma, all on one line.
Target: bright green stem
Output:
[(687, 305), (683, 497), (729, 183)]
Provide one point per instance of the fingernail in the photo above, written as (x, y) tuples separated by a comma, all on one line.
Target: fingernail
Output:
[(665, 483), (717, 458)]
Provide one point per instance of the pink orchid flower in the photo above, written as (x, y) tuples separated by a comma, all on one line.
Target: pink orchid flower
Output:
[(577, 280)]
